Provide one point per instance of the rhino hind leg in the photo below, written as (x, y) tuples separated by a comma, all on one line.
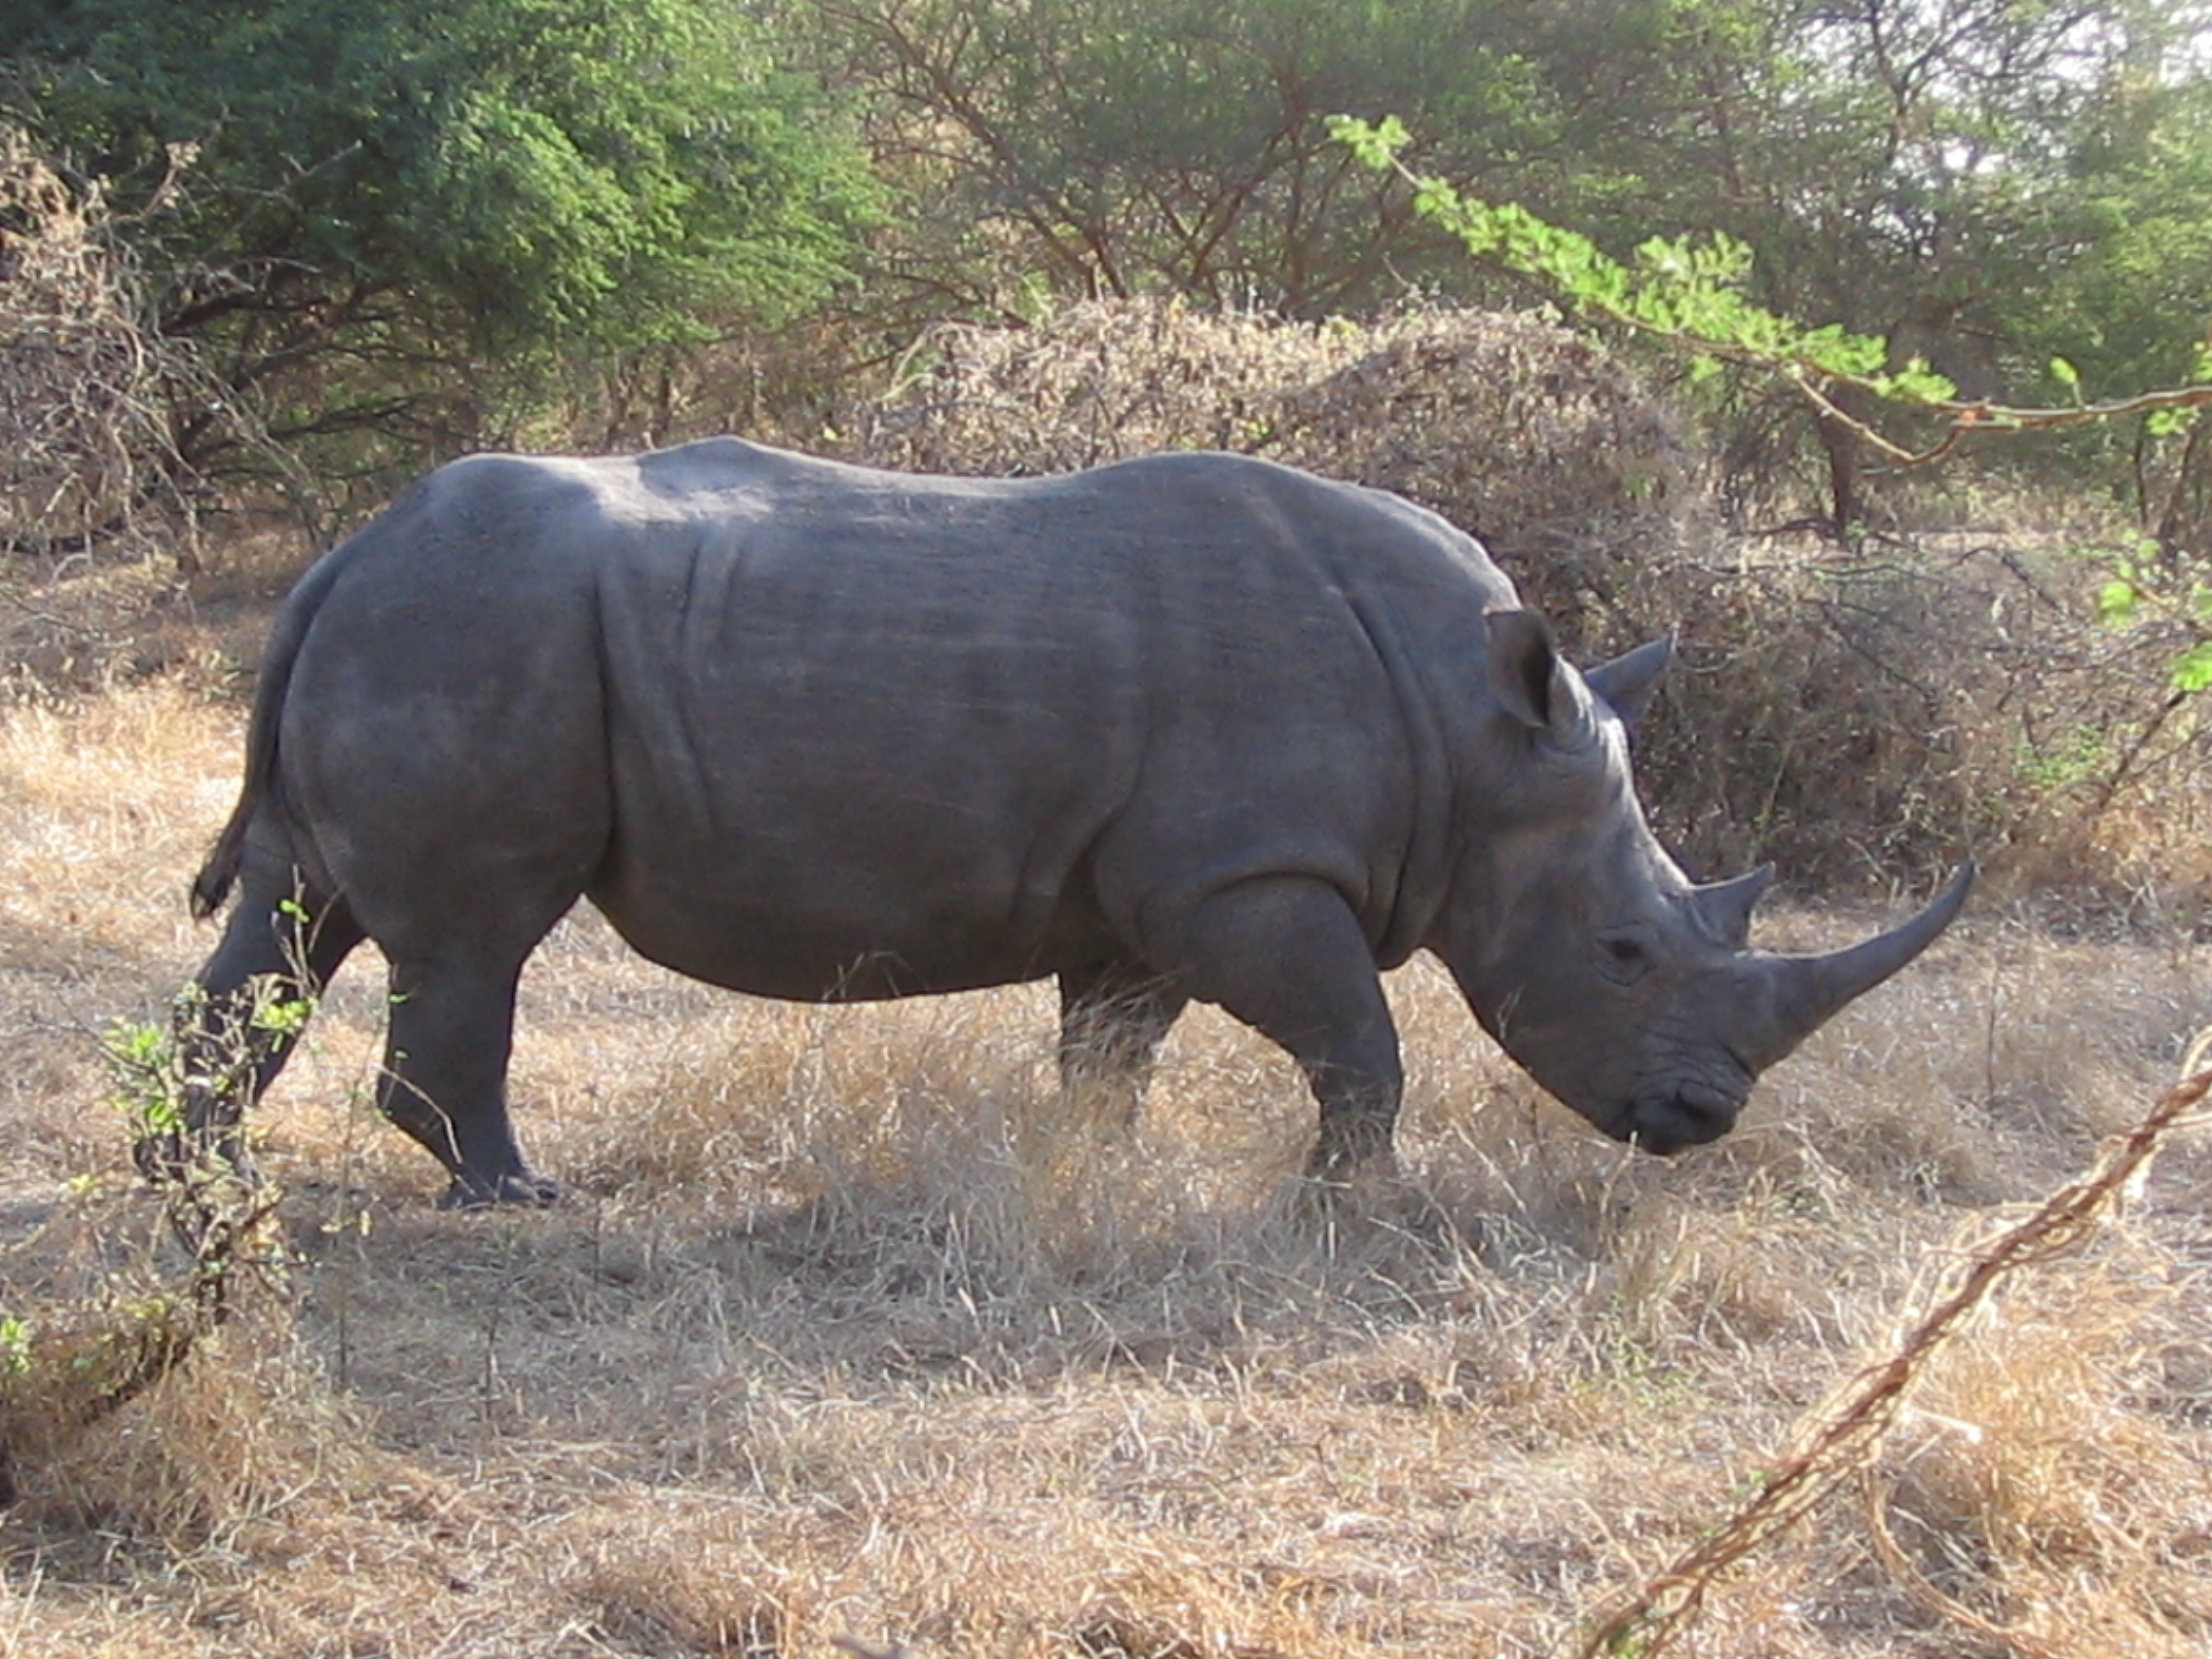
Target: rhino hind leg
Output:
[(282, 945), (1286, 955), (444, 1079), (1113, 1020)]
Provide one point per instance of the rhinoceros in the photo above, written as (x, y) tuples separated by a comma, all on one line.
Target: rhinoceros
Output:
[(1195, 726)]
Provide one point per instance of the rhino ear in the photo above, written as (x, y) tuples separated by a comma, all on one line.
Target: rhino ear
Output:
[(1525, 674), (1627, 683)]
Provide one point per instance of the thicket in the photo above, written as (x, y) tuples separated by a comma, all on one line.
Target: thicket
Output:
[(1994, 188), (83, 382)]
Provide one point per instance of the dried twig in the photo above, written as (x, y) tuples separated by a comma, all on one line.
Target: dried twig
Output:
[(70, 1368)]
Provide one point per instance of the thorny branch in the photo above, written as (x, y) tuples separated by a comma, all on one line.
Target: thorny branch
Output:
[(1840, 1437)]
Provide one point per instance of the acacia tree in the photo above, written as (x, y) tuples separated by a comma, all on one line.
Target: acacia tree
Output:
[(2136, 307), (392, 220), (1109, 147)]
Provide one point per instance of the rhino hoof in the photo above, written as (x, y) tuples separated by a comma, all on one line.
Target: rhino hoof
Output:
[(519, 1187)]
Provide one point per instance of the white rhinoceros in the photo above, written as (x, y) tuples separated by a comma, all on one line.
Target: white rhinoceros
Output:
[(1190, 726)]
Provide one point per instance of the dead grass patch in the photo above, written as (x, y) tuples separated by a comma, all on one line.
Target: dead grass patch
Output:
[(2040, 1462), (851, 1327)]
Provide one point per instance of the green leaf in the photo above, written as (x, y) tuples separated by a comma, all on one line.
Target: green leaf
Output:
[(2193, 670), (1374, 144)]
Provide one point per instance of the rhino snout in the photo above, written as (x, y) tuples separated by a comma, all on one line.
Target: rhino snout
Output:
[(1687, 1119)]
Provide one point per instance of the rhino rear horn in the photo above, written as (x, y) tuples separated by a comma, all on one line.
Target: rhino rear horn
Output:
[(1723, 908), (1811, 989)]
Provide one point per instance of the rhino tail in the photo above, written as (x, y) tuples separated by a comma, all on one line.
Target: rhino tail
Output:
[(212, 885), (220, 872)]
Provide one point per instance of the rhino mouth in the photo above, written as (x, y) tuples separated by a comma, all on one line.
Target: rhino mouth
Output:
[(1690, 1117)]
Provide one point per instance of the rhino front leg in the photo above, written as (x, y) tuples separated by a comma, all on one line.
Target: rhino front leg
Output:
[(1286, 955), (445, 1076)]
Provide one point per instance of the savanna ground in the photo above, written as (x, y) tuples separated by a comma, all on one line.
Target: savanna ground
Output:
[(851, 1329)]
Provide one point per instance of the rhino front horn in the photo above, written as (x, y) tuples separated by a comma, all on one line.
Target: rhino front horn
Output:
[(1811, 989)]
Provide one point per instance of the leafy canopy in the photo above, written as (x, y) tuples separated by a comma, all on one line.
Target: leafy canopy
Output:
[(490, 180)]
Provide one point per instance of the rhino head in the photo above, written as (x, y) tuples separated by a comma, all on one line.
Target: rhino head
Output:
[(1630, 992)]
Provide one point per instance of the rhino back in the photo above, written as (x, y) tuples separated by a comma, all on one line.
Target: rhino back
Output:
[(858, 734)]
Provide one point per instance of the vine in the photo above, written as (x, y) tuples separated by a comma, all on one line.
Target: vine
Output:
[(1688, 292)]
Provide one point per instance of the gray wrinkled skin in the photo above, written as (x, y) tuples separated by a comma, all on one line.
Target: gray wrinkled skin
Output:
[(1189, 727)]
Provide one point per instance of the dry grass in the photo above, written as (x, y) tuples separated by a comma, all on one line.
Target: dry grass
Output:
[(852, 1328)]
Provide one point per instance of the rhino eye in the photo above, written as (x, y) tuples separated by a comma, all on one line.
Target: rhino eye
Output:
[(1623, 958)]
